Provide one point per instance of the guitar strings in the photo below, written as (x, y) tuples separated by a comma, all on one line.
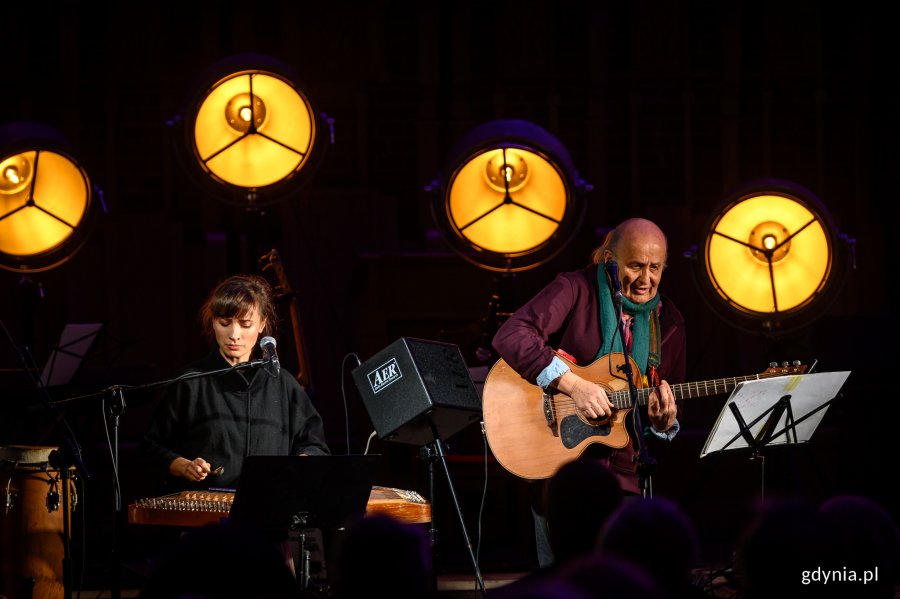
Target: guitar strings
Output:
[(621, 398)]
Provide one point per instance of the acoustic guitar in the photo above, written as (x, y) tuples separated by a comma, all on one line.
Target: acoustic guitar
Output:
[(532, 432)]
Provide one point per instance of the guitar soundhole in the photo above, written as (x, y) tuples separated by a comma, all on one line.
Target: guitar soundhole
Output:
[(594, 421)]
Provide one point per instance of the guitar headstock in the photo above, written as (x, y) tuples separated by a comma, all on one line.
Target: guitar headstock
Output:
[(785, 368), (272, 261)]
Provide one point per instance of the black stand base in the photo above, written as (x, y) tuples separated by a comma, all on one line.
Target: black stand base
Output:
[(435, 451)]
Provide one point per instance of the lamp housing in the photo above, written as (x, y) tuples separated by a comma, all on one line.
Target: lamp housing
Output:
[(772, 260), (508, 198), (47, 206), (250, 134)]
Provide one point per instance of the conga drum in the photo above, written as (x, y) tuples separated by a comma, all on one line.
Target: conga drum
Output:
[(32, 531)]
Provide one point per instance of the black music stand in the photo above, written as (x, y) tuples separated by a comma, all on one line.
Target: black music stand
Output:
[(74, 343), (783, 410), (284, 496)]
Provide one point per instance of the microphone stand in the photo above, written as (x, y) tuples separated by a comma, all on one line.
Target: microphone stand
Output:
[(645, 463), (118, 389), (116, 409)]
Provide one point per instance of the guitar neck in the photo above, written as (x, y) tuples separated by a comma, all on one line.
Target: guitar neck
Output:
[(622, 399), (273, 260), (302, 362)]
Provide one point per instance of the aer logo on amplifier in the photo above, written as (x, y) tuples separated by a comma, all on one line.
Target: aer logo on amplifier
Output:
[(384, 375)]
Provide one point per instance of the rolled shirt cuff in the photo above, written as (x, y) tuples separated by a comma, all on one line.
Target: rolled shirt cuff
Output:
[(667, 435), (555, 369)]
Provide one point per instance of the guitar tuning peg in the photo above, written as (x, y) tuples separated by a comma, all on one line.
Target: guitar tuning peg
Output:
[(773, 364), (796, 363), (784, 364)]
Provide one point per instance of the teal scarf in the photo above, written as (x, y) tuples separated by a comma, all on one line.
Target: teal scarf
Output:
[(646, 324)]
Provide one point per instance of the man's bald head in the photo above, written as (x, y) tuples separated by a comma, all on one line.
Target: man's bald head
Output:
[(629, 231)]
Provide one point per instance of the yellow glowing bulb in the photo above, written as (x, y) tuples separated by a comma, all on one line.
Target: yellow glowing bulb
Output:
[(490, 218), (16, 174), (782, 265), (244, 110), (765, 237), (506, 169)]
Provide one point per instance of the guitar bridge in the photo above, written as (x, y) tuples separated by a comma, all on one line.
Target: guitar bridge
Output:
[(549, 410)]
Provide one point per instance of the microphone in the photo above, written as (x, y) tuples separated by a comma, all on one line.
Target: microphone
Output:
[(267, 344), (68, 454), (613, 268)]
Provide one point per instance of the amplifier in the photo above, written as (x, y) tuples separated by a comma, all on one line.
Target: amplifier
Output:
[(415, 389)]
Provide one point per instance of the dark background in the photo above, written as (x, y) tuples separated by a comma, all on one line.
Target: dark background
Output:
[(664, 108)]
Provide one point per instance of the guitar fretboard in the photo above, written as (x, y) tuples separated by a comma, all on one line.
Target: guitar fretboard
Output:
[(622, 399)]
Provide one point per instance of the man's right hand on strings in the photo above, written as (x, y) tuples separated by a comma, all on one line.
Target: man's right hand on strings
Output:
[(590, 399)]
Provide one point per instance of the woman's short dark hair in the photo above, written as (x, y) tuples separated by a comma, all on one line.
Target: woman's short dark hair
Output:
[(236, 296)]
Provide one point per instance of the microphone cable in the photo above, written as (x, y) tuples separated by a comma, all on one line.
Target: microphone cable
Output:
[(484, 491), (369, 442), (612, 269)]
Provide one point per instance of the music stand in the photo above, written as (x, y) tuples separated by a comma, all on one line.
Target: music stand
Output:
[(282, 496), (65, 359), (783, 410)]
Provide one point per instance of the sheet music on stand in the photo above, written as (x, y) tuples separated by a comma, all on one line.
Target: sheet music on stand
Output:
[(775, 411)]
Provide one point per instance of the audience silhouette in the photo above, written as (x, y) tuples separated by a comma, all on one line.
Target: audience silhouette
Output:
[(864, 539), (221, 561), (607, 547), (783, 540), (608, 576), (658, 535), (577, 499), (547, 589), (378, 556), (846, 546)]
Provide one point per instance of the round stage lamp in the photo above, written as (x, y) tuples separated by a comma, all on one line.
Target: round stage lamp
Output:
[(251, 134), (508, 198), (771, 260), (46, 203)]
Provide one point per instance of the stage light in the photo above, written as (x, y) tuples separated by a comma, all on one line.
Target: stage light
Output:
[(772, 260), (46, 200), (251, 135), (508, 198)]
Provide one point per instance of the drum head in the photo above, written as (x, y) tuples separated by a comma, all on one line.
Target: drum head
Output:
[(25, 455)]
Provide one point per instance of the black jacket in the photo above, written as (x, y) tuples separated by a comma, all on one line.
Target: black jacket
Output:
[(224, 418)]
